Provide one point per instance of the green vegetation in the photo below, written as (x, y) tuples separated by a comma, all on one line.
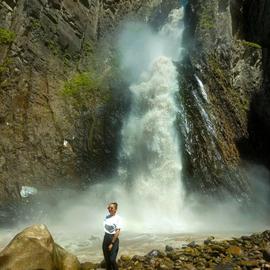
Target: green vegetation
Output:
[(86, 89), (5, 66), (88, 47), (221, 76), (52, 47), (99, 74), (206, 20), (35, 24), (6, 36), (251, 44), (81, 82)]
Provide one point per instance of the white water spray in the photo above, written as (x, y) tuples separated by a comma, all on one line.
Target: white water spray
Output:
[(150, 159)]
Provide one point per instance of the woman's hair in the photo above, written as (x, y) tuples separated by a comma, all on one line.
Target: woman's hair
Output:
[(115, 204)]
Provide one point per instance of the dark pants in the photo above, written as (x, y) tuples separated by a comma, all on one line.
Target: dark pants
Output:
[(110, 256)]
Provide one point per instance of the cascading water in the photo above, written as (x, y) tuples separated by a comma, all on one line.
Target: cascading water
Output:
[(149, 188), (150, 160)]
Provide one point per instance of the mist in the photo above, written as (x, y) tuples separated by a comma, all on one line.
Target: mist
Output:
[(139, 46), (148, 185), (83, 212)]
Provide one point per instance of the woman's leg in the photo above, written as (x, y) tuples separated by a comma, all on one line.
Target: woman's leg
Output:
[(106, 252), (113, 255)]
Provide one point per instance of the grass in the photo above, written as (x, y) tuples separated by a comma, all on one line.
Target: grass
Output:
[(6, 36)]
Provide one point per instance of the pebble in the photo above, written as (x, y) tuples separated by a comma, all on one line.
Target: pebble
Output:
[(247, 252)]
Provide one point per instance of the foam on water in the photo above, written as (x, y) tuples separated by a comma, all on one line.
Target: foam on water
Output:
[(150, 158)]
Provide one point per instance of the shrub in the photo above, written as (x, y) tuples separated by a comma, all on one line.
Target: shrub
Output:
[(206, 20), (81, 82), (251, 44), (86, 89)]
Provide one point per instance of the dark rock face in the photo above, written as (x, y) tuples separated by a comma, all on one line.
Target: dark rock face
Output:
[(258, 30), (258, 21), (46, 141), (231, 72)]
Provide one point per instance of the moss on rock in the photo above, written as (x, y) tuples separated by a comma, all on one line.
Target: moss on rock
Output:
[(6, 36)]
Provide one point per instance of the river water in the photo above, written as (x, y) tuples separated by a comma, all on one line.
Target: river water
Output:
[(88, 247)]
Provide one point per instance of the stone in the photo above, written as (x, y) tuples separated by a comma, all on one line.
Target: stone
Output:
[(209, 240), (88, 266), (125, 258), (163, 267), (266, 254), (34, 248), (138, 258), (154, 253), (224, 267), (168, 248), (234, 250), (249, 263), (189, 266), (192, 244)]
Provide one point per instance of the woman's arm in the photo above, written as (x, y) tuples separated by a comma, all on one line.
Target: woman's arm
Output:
[(117, 232)]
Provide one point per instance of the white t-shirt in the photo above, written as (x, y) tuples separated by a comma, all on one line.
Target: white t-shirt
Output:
[(112, 223)]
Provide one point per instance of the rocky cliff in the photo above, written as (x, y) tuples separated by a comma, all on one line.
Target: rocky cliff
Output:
[(258, 30), (221, 75), (62, 99), (52, 135)]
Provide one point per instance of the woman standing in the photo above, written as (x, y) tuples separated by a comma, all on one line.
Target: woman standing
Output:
[(112, 227)]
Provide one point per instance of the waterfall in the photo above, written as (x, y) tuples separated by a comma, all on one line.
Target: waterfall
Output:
[(150, 160), (201, 99)]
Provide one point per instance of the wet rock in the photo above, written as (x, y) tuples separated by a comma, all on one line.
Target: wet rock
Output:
[(266, 234), (88, 266), (225, 267), (168, 248), (234, 250), (249, 263), (154, 253), (125, 258), (138, 258), (236, 254), (266, 254), (192, 244), (189, 266), (209, 240), (34, 248)]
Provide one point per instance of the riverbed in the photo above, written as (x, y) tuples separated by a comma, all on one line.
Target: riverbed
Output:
[(88, 247)]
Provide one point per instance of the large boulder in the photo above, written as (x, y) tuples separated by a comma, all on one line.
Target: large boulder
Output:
[(34, 248)]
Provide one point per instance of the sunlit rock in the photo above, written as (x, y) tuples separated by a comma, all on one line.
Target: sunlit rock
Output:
[(34, 248)]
